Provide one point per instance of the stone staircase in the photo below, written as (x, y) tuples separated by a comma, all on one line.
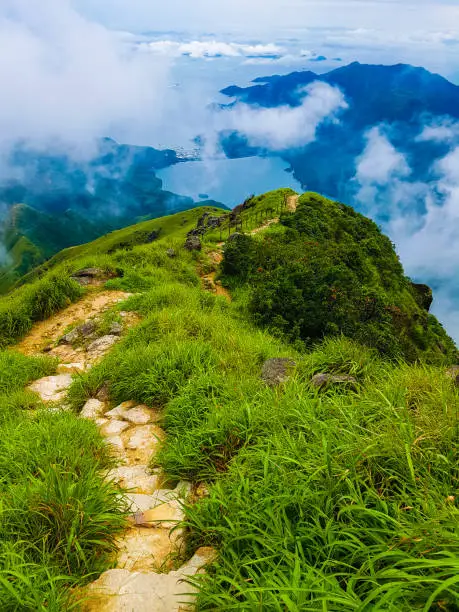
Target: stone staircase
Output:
[(145, 577)]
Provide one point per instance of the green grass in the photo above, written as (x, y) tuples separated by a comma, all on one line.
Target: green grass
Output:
[(319, 501), (334, 500)]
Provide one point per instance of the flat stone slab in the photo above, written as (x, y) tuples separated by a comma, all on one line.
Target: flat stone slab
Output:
[(114, 428), (145, 549), (119, 411), (52, 388), (71, 368), (93, 409), (120, 590), (136, 477), (115, 442), (140, 415), (165, 516), (141, 443), (140, 503)]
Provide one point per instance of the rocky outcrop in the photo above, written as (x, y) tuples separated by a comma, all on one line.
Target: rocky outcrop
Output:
[(82, 332), (277, 371), (92, 276), (193, 243), (423, 295), (321, 381)]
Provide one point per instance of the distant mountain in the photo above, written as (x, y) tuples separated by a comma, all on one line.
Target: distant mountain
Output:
[(402, 96), (55, 201)]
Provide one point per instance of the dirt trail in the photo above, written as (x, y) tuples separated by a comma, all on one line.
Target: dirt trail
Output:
[(146, 576), (265, 225), (46, 332), (208, 280), (292, 202)]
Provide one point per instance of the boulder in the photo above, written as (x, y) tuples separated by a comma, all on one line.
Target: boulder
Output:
[(89, 272), (70, 338), (116, 329), (82, 332), (324, 380), (152, 236), (89, 276), (193, 243), (103, 394), (102, 345), (423, 295), (277, 371)]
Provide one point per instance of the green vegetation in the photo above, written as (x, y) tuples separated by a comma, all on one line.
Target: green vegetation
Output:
[(58, 517), (329, 272), (335, 499)]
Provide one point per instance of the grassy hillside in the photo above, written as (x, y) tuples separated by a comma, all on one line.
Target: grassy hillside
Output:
[(343, 498), (327, 270)]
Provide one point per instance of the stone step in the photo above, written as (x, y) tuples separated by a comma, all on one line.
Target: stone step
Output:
[(148, 549), (164, 516), (141, 443), (121, 590), (136, 478), (93, 409), (52, 388), (137, 414)]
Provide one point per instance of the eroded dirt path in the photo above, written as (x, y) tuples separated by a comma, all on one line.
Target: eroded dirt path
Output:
[(148, 575), (44, 333), (292, 202), (208, 280)]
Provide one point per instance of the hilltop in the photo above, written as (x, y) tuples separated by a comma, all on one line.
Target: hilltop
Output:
[(268, 375)]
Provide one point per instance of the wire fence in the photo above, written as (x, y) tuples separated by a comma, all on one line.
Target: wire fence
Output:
[(249, 219)]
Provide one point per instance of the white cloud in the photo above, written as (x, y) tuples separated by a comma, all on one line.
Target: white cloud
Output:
[(285, 127), (443, 130), (211, 49), (64, 77), (380, 161), (421, 218)]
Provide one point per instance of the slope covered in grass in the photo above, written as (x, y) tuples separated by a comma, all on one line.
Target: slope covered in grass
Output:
[(58, 518), (334, 499), (327, 270)]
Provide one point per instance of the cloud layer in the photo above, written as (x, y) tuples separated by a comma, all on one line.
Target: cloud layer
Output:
[(421, 218), (64, 77), (285, 127)]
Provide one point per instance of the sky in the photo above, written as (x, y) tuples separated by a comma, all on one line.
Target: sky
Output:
[(272, 15)]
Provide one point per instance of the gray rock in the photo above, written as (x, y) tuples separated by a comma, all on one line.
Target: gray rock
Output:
[(87, 329), (193, 243), (102, 345), (84, 331), (324, 380), (89, 272), (70, 338), (103, 394), (277, 371), (116, 329)]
